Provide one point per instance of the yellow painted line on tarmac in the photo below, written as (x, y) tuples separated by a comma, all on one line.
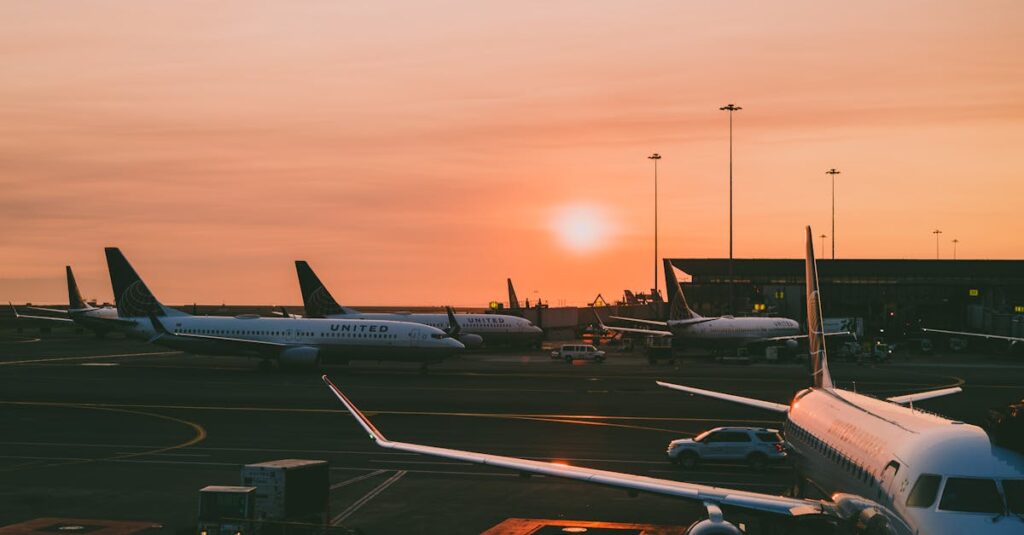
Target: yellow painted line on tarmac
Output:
[(199, 436), (92, 357)]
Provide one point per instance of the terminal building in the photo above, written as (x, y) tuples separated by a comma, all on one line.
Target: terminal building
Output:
[(891, 297)]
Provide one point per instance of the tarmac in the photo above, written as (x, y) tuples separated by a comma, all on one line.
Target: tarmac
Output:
[(120, 430)]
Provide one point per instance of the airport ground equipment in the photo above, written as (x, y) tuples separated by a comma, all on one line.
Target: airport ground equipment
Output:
[(226, 510), (294, 490), (571, 352)]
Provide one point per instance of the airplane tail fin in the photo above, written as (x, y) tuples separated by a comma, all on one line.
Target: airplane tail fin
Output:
[(75, 301), (317, 301), (820, 376), (678, 309), (513, 301), (131, 296)]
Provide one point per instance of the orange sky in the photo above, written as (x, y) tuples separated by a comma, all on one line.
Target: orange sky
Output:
[(419, 154)]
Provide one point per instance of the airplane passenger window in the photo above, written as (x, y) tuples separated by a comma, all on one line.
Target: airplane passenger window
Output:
[(925, 490), (1014, 491), (970, 495)]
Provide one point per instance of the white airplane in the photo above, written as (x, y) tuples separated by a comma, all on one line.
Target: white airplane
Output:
[(714, 332), (888, 469), (100, 320), (474, 330), (294, 342), (1014, 341)]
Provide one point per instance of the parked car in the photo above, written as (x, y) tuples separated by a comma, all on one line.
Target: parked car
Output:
[(757, 446), (570, 353)]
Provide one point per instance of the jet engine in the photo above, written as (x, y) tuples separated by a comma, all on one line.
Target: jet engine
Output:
[(471, 341), (714, 524), (866, 516), (299, 357), (792, 343)]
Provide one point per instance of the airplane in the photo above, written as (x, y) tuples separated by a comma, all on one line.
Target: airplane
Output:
[(714, 332), (474, 330), (100, 320), (292, 342), (887, 468)]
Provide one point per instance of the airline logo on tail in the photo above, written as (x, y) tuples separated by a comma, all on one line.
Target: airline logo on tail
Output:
[(513, 301), (132, 297), (820, 376), (678, 309), (75, 301), (316, 299)]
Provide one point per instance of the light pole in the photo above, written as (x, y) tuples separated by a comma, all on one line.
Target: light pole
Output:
[(936, 232), (955, 241), (833, 172), (823, 242), (655, 157), (730, 108)]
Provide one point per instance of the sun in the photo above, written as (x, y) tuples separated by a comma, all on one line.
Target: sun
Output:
[(581, 227)]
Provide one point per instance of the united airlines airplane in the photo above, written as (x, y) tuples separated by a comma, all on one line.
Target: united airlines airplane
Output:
[(714, 332), (474, 329), (888, 468), (99, 320), (292, 342)]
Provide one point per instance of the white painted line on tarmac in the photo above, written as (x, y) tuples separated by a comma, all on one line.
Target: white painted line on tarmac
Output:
[(369, 496), (357, 479)]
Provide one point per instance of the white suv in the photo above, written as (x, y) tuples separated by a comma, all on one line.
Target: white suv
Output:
[(757, 446), (570, 353)]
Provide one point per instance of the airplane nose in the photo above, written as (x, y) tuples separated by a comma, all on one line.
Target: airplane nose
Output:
[(454, 344)]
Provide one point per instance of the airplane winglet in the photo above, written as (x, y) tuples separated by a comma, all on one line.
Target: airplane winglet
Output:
[(284, 311), (15, 310), (158, 326), (365, 422), (600, 323), (454, 329)]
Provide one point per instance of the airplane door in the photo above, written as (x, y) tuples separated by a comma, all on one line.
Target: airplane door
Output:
[(887, 485)]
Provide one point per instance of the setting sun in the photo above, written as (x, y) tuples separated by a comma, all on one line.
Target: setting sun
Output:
[(581, 227)]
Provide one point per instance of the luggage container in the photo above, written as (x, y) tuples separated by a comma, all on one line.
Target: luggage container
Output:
[(296, 490)]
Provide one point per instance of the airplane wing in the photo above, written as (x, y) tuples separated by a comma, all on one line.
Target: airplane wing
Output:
[(750, 402), (977, 335), (703, 493), (675, 323), (54, 310), (649, 332), (39, 318), (920, 396), (638, 320), (802, 337), (282, 311)]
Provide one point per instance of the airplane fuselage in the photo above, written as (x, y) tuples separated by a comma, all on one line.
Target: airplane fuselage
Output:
[(335, 340), (495, 329), (735, 332), (844, 442)]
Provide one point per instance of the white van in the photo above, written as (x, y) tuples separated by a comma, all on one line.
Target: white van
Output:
[(570, 353)]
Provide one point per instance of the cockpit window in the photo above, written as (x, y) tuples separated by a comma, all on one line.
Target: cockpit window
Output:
[(1014, 490), (924, 492), (971, 495)]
